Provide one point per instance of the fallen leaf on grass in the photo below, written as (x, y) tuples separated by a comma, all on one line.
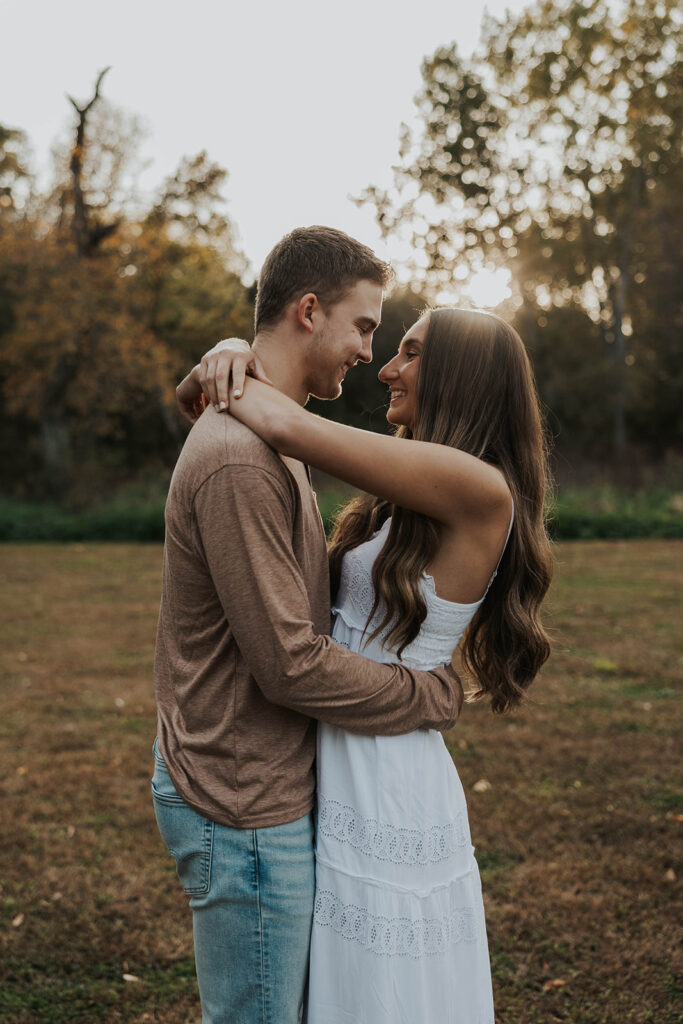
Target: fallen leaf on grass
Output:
[(130, 977), (605, 665), (674, 817), (670, 875), (22, 770), (554, 983), (18, 921), (481, 786)]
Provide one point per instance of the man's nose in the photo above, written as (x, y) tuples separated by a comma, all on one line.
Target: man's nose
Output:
[(365, 354)]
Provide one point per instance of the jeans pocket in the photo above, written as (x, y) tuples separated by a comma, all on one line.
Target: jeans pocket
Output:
[(187, 835)]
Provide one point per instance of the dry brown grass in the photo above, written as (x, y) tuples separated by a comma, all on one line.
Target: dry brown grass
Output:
[(576, 836)]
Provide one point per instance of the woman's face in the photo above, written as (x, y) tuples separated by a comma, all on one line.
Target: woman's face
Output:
[(400, 375)]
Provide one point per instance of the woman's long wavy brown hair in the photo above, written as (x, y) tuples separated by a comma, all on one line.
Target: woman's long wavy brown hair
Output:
[(475, 392)]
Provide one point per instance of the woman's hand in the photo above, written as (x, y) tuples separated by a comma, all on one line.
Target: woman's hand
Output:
[(189, 395), (226, 363), (229, 360)]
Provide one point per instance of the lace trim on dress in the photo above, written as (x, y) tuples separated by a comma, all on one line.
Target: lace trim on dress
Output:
[(395, 936), (389, 842), (359, 582)]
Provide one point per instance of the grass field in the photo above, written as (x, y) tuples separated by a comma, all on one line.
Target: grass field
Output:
[(577, 833)]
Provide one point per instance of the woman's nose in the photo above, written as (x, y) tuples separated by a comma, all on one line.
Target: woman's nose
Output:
[(387, 371)]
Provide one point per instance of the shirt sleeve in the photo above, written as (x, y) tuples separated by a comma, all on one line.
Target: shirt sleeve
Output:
[(244, 517)]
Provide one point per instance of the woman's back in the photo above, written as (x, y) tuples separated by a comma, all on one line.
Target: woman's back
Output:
[(440, 632)]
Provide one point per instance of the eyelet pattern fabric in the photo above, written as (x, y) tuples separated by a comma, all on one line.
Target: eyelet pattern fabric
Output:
[(387, 842), (441, 630), (395, 936)]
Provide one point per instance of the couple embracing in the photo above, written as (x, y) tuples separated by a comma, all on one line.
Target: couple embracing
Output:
[(368, 909)]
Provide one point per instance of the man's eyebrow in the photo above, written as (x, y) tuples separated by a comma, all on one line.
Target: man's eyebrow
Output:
[(367, 321)]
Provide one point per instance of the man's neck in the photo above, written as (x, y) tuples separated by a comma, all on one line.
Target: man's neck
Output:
[(279, 359)]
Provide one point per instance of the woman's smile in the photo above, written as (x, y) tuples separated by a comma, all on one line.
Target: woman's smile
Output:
[(395, 394), (401, 373)]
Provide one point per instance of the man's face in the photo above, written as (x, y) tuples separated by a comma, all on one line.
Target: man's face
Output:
[(343, 337)]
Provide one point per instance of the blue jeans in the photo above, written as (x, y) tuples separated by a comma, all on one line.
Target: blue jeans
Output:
[(251, 893)]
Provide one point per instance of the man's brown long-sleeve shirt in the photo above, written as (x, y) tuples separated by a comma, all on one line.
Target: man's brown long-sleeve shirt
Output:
[(244, 662)]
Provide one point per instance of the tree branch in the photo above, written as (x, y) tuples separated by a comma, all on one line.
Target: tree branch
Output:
[(87, 235)]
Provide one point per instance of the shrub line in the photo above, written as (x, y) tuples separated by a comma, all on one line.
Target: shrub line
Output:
[(568, 520)]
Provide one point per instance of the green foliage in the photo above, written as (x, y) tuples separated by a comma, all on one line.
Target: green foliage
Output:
[(103, 306), (13, 166), (119, 521), (556, 151), (606, 513), (138, 515)]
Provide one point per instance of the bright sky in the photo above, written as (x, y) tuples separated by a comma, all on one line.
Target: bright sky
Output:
[(301, 100)]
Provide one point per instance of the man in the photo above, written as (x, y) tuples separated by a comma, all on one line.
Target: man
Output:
[(244, 663)]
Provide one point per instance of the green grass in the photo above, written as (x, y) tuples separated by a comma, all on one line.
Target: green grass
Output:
[(54, 993)]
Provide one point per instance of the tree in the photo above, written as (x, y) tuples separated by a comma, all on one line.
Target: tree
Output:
[(102, 302), (189, 263), (546, 151), (13, 168)]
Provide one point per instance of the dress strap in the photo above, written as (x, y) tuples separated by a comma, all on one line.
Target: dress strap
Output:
[(507, 538)]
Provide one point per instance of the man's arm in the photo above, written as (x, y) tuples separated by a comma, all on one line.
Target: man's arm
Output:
[(244, 516)]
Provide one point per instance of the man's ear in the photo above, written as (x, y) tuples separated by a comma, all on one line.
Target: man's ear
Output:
[(307, 310)]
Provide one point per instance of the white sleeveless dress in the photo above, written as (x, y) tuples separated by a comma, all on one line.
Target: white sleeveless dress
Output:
[(398, 931)]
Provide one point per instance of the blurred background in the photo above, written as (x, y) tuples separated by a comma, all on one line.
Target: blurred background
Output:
[(531, 167)]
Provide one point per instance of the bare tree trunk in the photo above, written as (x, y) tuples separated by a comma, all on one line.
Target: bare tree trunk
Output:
[(619, 296), (55, 435), (619, 308), (170, 420), (87, 234)]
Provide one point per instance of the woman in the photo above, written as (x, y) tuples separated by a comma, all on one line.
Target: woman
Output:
[(453, 548)]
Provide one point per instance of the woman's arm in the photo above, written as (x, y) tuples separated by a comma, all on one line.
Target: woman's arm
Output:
[(441, 482)]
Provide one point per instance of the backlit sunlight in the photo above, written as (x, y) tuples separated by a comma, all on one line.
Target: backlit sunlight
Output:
[(488, 288)]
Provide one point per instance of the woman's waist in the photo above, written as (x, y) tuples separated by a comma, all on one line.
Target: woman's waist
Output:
[(425, 653)]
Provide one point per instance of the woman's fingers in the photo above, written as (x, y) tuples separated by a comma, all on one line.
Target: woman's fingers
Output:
[(187, 393), (227, 367), (223, 371), (223, 365), (207, 378), (239, 372)]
